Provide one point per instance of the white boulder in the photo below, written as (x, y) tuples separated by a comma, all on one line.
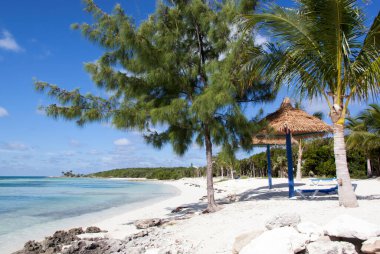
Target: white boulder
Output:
[(351, 227), (284, 240), (323, 247), (244, 239), (283, 220), (372, 245), (312, 230)]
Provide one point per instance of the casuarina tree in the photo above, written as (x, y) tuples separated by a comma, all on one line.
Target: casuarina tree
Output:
[(176, 77), (323, 49)]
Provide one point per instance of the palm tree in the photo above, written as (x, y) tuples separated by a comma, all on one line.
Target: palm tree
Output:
[(365, 132), (226, 159), (280, 165), (371, 118), (324, 50)]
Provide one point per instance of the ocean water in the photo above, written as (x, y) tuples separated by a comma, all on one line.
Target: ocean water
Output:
[(32, 207)]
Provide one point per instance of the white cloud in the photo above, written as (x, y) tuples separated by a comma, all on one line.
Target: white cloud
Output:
[(8, 42), (127, 72), (15, 146), (234, 32), (222, 56), (3, 112), (121, 142), (260, 40)]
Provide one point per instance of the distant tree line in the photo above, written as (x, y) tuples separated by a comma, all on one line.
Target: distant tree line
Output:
[(162, 173), (318, 161)]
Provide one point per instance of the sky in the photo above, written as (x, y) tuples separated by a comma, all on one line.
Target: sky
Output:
[(36, 42)]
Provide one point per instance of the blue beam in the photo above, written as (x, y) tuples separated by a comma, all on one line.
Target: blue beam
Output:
[(269, 167), (290, 163)]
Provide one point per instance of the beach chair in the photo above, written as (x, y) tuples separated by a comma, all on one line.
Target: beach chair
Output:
[(312, 192), (322, 181)]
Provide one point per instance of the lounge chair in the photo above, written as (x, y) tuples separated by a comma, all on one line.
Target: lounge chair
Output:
[(312, 192), (321, 181)]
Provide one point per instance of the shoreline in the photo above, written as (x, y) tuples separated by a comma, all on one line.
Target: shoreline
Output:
[(121, 225), (216, 232), (40, 231)]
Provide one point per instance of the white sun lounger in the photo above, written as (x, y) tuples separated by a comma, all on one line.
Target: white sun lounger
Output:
[(313, 191), (322, 181)]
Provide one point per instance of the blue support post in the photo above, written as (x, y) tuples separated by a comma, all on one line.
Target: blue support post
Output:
[(269, 167), (290, 163)]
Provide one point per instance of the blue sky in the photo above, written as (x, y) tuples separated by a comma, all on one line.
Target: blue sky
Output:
[(36, 42)]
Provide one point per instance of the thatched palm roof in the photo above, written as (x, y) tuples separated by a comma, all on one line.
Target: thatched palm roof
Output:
[(300, 124)]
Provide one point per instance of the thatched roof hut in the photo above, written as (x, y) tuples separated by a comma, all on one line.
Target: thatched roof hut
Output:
[(284, 127), (297, 121)]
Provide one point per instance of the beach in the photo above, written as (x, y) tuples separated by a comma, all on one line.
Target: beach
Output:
[(247, 204)]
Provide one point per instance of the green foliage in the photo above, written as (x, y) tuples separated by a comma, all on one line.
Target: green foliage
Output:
[(149, 173), (318, 160), (365, 130), (357, 164), (226, 157), (364, 135)]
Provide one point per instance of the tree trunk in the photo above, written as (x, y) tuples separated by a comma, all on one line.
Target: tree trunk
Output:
[(369, 168), (221, 169), (232, 172), (347, 197), (299, 161), (211, 204)]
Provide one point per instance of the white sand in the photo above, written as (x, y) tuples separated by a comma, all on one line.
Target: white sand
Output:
[(215, 233)]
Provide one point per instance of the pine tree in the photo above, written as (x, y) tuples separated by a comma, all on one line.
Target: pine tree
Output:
[(179, 69)]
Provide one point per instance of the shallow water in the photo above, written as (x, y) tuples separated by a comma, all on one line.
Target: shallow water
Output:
[(31, 205)]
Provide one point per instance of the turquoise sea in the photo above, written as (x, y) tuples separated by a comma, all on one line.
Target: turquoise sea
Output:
[(32, 207)]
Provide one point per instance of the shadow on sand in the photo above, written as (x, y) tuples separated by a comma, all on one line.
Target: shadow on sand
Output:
[(278, 192)]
